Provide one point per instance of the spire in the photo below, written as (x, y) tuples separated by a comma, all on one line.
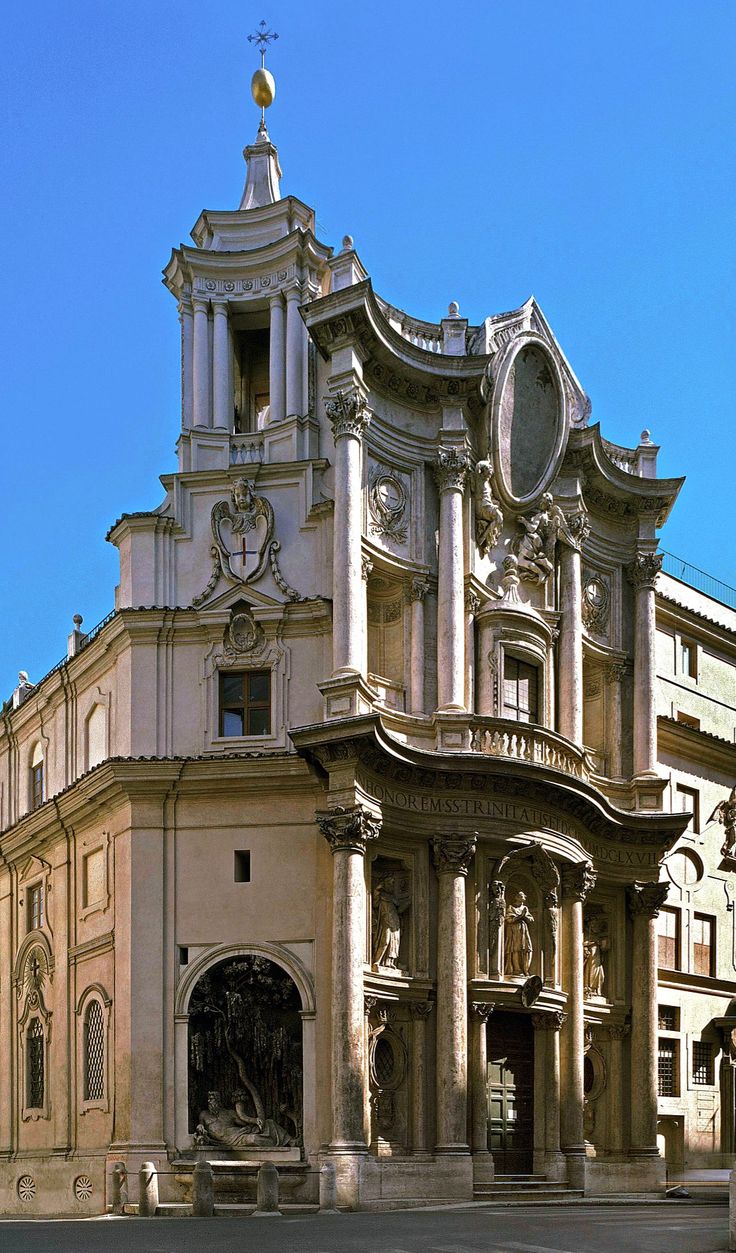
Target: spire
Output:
[(261, 158)]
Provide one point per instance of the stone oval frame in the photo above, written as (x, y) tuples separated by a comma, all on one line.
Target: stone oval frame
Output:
[(500, 439)]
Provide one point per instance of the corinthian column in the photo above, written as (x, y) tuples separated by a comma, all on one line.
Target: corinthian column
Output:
[(417, 591), (642, 574), (349, 416), (450, 470), (577, 882), (452, 857), (348, 832), (480, 1012), (645, 902), (571, 630)]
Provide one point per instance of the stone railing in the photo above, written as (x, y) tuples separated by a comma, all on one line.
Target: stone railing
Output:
[(498, 737), (625, 458), (426, 335), (246, 450)]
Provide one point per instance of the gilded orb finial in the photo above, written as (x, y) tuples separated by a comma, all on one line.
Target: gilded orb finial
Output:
[(263, 84)]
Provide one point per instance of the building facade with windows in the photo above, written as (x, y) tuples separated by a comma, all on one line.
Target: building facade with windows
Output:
[(341, 838)]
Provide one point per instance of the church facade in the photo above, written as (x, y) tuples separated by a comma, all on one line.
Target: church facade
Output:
[(342, 837)]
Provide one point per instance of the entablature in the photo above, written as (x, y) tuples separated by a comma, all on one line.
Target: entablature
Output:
[(612, 491)]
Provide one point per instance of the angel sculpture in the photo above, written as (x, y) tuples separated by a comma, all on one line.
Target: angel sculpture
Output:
[(725, 813)]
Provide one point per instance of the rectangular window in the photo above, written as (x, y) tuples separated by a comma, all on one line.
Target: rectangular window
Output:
[(703, 1072), (668, 938), (689, 658), (520, 695), (37, 785), (703, 945), (688, 801), (35, 907), (245, 703), (667, 1084), (688, 720), (668, 1018), (242, 866)]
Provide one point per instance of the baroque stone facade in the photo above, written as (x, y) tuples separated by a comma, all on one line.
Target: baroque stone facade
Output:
[(343, 836)]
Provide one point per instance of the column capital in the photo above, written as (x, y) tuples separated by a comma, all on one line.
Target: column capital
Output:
[(618, 1030), (420, 1010), (615, 671), (472, 601), (578, 881), (575, 529), (369, 1004), (294, 292), (348, 414), (551, 1020), (348, 829), (643, 570), (481, 1010), (276, 298), (418, 588), (366, 567), (200, 304), (453, 854), (647, 898), (220, 305), (450, 469)]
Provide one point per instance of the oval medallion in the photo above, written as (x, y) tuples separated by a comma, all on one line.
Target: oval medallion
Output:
[(528, 421)]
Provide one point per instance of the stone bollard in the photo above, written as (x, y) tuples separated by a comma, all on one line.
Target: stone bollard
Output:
[(732, 1210), (119, 1188), (147, 1190), (328, 1189), (267, 1204), (203, 1191)]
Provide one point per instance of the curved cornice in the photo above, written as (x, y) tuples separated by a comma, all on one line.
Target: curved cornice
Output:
[(610, 490), (367, 742), (391, 364)]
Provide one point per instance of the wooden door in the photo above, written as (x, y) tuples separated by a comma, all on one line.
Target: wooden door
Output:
[(511, 1092)]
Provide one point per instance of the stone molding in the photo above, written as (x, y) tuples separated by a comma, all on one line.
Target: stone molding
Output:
[(450, 469), (647, 898), (643, 570), (348, 829), (550, 1020), (453, 854), (348, 414), (578, 881), (481, 1010)]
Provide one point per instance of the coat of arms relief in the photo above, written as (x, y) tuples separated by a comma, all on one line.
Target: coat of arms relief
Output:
[(244, 544)]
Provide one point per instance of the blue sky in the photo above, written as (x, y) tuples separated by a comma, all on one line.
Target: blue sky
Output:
[(582, 152)]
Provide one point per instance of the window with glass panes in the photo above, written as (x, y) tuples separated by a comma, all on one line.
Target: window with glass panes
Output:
[(702, 1062), (520, 694), (35, 907), (668, 1017), (688, 658), (245, 703), (667, 1084), (37, 785), (703, 947), (668, 938), (35, 1065)]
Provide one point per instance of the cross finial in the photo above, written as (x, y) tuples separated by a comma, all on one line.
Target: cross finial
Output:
[(262, 38)]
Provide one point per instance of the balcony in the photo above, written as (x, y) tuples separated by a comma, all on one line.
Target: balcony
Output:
[(510, 741)]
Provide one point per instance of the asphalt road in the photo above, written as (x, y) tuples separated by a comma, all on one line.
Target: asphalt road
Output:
[(672, 1228)]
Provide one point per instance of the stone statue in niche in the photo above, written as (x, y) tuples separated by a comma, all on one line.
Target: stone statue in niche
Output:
[(725, 813), (535, 547), (235, 1127), (488, 514), (595, 942), (518, 948), (391, 899)]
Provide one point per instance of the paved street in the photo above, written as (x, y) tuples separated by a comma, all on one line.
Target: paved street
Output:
[(595, 1229)]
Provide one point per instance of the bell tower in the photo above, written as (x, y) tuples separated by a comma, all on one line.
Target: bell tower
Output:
[(240, 289)]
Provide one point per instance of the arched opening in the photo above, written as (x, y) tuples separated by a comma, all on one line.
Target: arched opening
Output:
[(245, 1064)]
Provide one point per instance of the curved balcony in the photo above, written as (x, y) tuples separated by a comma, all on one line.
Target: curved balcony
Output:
[(499, 737)]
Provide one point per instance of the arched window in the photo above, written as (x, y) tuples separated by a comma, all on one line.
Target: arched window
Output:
[(35, 1066), (37, 785), (94, 1052)]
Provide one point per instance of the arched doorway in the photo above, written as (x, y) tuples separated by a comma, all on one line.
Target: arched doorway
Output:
[(245, 1068)]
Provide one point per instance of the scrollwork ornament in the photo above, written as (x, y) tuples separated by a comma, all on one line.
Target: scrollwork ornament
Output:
[(387, 501), (349, 828), (596, 603), (647, 898), (453, 854), (244, 635), (450, 469), (578, 881), (643, 571), (348, 414)]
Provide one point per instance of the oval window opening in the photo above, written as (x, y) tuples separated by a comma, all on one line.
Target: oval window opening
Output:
[(529, 424)]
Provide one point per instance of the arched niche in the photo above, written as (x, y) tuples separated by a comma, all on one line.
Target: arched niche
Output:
[(245, 1071), (529, 870)]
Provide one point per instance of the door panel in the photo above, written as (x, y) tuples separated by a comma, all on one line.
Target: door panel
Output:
[(511, 1092)]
